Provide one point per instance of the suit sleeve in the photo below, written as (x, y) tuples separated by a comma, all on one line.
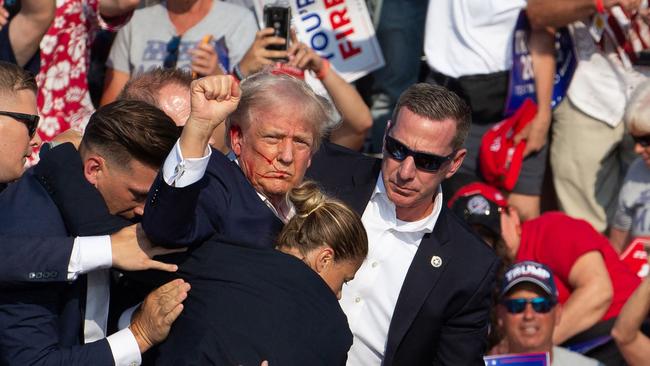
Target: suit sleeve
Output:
[(463, 337), (32, 260), (29, 329), (60, 172)]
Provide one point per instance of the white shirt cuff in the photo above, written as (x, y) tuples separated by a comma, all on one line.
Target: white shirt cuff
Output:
[(180, 172), (124, 348), (125, 318), (89, 253)]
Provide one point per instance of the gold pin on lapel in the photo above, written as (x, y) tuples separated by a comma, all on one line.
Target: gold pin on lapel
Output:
[(436, 261)]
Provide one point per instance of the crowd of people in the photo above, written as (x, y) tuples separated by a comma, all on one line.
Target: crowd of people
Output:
[(211, 208)]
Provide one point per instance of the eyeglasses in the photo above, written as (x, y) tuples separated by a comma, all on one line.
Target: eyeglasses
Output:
[(540, 304), (424, 161), (642, 140), (172, 53), (29, 120)]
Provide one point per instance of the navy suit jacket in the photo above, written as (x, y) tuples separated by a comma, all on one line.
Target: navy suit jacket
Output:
[(42, 324), (251, 304), (441, 315)]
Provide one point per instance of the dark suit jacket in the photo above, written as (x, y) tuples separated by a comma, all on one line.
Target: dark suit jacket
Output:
[(441, 315), (248, 305), (43, 324), (222, 202)]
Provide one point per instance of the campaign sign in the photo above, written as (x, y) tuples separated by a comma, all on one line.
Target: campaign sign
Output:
[(522, 359), (635, 256), (338, 30), (522, 78)]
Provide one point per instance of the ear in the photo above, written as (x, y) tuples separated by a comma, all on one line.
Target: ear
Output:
[(501, 313), (456, 162), (324, 259), (93, 168), (236, 137)]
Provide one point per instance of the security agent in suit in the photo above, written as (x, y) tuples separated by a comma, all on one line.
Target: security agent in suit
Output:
[(48, 257), (423, 294), (43, 323)]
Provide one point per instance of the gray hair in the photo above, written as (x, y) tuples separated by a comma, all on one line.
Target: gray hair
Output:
[(637, 112), (264, 91)]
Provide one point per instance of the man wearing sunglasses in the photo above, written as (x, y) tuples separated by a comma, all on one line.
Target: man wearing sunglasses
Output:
[(592, 282), (422, 295), (18, 121), (528, 312)]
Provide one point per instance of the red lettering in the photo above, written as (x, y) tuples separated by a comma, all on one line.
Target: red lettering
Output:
[(349, 51), (330, 3), (338, 18), (344, 34)]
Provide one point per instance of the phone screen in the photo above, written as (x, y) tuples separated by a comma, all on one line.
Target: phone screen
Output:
[(278, 18)]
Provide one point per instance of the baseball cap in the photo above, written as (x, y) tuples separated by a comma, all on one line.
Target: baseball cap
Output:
[(530, 272), (500, 159), (479, 204)]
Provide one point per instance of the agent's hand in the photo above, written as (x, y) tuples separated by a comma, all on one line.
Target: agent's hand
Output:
[(257, 56), (213, 98), (205, 61), (152, 321), (132, 251), (70, 135)]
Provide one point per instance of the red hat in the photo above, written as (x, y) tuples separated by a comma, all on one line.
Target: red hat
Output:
[(499, 158), (479, 204)]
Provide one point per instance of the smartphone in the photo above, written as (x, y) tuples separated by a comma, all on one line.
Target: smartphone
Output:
[(278, 17)]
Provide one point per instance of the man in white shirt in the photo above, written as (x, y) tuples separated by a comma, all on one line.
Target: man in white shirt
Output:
[(422, 295), (43, 322)]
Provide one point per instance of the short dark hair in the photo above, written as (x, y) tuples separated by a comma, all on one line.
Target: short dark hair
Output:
[(437, 103), (13, 78), (146, 86), (127, 129)]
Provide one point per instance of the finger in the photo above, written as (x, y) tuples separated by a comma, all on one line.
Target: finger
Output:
[(161, 266), (170, 286), (294, 36), (173, 315), (269, 54), (204, 47), (261, 34), (273, 41), (235, 90)]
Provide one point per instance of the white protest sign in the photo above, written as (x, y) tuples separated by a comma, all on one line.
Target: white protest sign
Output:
[(339, 30)]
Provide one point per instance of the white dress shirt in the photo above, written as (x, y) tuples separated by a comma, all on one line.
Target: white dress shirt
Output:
[(369, 299), (92, 255)]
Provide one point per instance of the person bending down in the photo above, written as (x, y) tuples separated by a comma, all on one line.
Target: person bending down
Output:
[(249, 304)]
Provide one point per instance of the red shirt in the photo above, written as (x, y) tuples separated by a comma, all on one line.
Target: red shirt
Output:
[(557, 240)]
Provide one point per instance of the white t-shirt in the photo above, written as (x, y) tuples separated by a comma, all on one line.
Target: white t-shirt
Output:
[(142, 44), (470, 37), (564, 357), (601, 86)]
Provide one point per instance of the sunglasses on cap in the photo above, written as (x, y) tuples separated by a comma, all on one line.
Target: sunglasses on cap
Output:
[(540, 304), (642, 140), (172, 52), (423, 161), (29, 120)]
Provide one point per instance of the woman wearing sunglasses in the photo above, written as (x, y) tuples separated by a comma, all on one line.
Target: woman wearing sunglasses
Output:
[(632, 217), (249, 305)]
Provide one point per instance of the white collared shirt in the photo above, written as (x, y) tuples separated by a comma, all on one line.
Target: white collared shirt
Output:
[(369, 299), (92, 255)]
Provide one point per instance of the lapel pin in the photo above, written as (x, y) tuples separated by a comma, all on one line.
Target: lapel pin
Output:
[(436, 261)]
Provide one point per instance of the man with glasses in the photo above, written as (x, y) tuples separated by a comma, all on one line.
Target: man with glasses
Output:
[(18, 121), (528, 312), (423, 294), (593, 283)]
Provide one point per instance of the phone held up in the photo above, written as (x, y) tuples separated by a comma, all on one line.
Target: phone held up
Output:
[(277, 15)]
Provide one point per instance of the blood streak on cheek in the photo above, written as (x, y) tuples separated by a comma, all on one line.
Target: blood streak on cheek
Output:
[(270, 162)]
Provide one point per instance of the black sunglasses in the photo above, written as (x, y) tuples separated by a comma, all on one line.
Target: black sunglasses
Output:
[(172, 52), (29, 120), (642, 140), (424, 161), (540, 304)]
